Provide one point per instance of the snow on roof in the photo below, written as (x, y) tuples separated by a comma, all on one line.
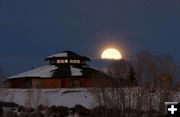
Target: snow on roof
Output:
[(44, 71), (64, 54), (75, 71)]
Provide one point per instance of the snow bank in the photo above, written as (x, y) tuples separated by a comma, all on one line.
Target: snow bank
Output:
[(34, 97)]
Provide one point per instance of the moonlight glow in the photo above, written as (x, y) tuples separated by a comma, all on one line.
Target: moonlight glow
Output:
[(111, 53)]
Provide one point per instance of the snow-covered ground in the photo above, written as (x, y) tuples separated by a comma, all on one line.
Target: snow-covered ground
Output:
[(33, 97), (64, 97)]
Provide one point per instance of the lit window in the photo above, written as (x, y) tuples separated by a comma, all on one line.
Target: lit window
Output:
[(78, 61), (58, 61), (74, 61), (61, 61), (66, 61), (71, 61)]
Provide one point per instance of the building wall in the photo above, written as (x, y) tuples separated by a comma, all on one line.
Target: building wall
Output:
[(74, 82), (51, 83), (85, 82), (19, 83), (36, 83)]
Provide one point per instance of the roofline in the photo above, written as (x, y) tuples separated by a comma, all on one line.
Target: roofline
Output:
[(47, 77), (69, 52)]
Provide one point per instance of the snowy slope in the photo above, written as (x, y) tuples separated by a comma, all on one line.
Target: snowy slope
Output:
[(33, 97)]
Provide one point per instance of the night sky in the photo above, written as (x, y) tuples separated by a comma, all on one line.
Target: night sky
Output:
[(30, 30)]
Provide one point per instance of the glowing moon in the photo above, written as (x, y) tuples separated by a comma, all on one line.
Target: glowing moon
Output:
[(111, 53)]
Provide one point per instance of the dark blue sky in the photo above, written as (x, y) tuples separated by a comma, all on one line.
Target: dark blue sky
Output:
[(33, 29)]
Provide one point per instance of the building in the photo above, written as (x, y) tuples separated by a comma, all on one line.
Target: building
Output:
[(64, 70)]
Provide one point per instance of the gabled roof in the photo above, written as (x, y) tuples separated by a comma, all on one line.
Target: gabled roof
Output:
[(67, 54)]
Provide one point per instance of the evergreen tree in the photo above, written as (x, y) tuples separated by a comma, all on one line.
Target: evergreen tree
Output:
[(131, 77)]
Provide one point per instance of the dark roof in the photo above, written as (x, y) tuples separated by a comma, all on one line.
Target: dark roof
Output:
[(82, 71), (67, 54)]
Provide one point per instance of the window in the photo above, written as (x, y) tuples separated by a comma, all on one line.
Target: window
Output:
[(62, 61), (58, 61), (66, 61), (71, 61), (74, 61)]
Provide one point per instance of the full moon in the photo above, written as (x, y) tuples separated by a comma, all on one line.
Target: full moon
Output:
[(111, 53)]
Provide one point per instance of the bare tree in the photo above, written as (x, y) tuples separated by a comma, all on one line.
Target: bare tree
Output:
[(119, 68), (155, 74), (145, 67), (168, 68)]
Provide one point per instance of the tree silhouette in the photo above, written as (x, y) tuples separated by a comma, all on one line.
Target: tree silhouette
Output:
[(131, 77)]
